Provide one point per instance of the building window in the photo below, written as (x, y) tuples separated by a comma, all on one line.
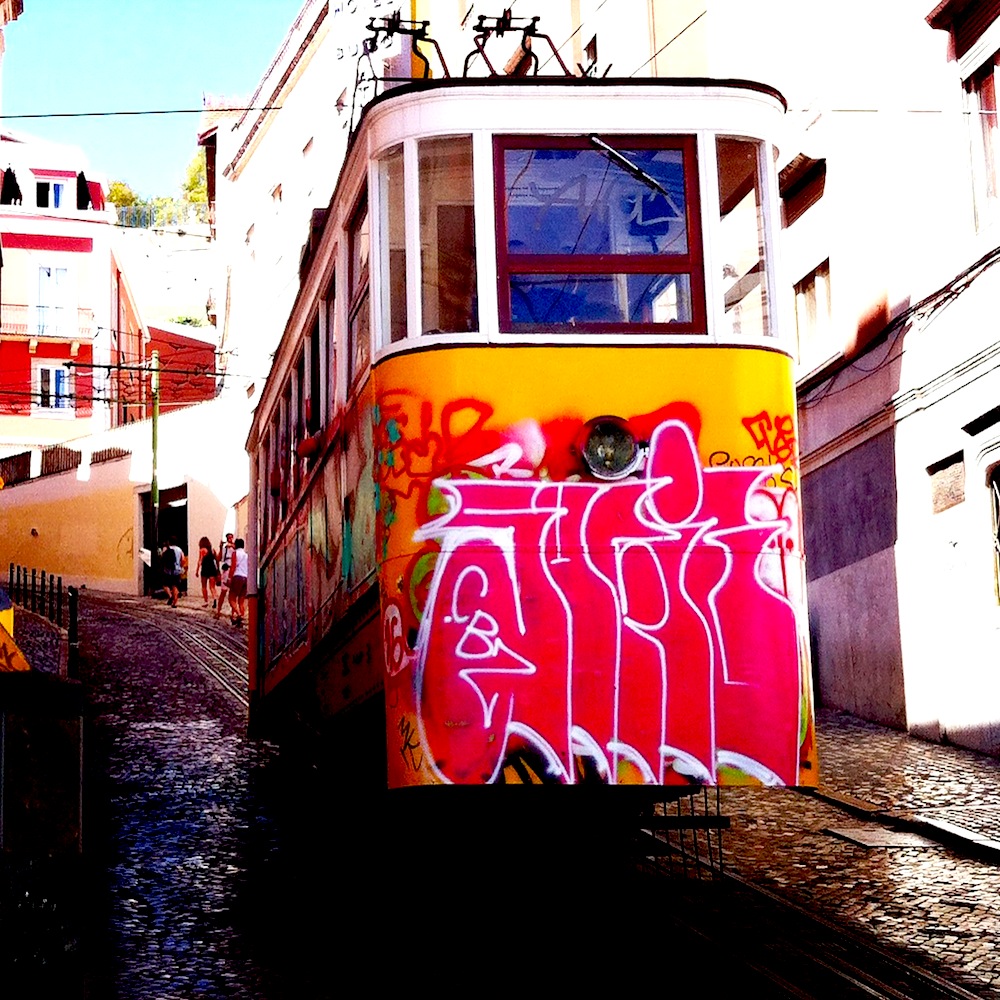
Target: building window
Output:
[(358, 320), (53, 311), (981, 88), (995, 503), (46, 192), (53, 388), (598, 236), (812, 317), (801, 185), (947, 482), (974, 26)]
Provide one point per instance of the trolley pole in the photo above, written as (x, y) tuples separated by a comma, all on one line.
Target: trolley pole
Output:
[(154, 488)]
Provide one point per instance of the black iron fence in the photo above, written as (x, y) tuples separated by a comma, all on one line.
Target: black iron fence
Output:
[(38, 592), (42, 594)]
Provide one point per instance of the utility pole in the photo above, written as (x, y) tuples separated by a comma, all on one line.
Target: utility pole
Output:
[(154, 490)]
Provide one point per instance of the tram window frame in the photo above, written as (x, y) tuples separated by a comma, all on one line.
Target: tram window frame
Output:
[(392, 240), (277, 471), (359, 291), (264, 453), (742, 239), (314, 366), (329, 327), (298, 425), (689, 265), (449, 266)]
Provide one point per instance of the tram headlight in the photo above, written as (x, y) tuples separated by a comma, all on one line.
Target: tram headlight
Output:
[(609, 448)]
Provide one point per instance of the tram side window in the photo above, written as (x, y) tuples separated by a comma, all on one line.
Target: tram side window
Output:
[(298, 424), (329, 383), (742, 238), (276, 476), (314, 418), (447, 236), (287, 448), (599, 234), (264, 457), (359, 322), (393, 265)]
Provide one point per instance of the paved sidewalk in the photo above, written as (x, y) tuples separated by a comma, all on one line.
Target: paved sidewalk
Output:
[(943, 792)]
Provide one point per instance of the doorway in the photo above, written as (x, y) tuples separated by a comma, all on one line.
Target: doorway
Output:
[(172, 524)]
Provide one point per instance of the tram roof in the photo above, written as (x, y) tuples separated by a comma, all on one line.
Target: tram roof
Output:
[(418, 86)]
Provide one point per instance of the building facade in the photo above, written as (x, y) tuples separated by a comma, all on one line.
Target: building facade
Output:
[(68, 321)]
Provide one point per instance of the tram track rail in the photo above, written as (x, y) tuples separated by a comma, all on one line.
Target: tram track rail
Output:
[(218, 654), (789, 950)]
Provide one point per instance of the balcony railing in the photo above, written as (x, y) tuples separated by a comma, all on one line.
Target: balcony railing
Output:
[(166, 214), (62, 322)]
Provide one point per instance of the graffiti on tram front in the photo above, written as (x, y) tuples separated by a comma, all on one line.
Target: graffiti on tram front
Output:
[(624, 624), (541, 624)]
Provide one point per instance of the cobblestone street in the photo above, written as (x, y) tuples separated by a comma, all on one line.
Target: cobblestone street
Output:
[(869, 852), (207, 864), (215, 867)]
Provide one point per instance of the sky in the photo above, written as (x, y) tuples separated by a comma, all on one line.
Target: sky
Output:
[(66, 57)]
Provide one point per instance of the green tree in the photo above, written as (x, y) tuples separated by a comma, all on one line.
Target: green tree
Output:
[(195, 186), (119, 193)]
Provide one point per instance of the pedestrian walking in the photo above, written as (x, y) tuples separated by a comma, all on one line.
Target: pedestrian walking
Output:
[(226, 550), (172, 564), (207, 568), (238, 582)]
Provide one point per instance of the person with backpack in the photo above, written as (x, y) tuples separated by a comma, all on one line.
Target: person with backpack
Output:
[(172, 562)]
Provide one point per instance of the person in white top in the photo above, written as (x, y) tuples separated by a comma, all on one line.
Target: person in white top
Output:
[(238, 582), (226, 550)]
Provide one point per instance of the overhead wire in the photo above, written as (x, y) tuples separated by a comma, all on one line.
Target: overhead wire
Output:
[(898, 326), (136, 113)]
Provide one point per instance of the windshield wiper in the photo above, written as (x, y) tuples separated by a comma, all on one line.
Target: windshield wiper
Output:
[(632, 168)]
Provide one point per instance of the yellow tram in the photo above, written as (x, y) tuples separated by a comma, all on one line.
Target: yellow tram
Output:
[(526, 476)]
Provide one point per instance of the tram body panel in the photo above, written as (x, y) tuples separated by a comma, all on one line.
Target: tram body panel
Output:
[(324, 562), (543, 626)]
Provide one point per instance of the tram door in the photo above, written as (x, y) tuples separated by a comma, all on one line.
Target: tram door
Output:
[(172, 522)]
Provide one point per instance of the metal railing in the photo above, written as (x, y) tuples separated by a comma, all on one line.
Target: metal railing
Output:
[(64, 322), (166, 215), (37, 591), (41, 593)]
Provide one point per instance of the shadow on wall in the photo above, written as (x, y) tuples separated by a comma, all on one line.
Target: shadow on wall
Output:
[(850, 517)]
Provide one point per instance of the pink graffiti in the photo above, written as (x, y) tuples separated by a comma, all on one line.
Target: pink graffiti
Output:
[(638, 624)]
